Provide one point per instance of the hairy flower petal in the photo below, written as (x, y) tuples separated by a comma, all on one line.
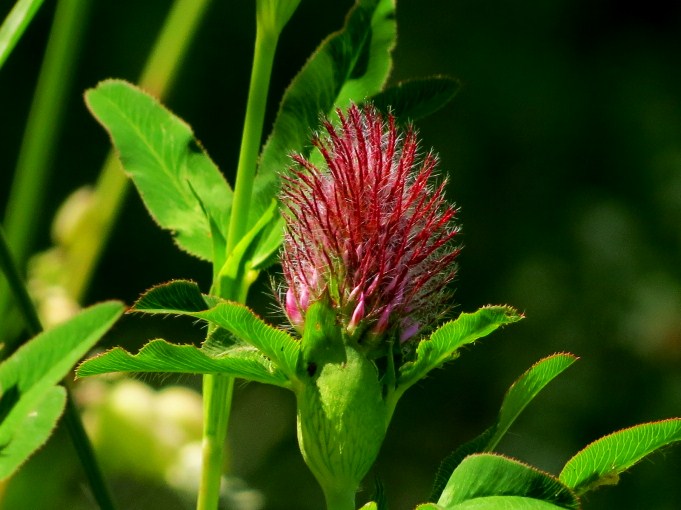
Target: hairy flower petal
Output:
[(367, 230)]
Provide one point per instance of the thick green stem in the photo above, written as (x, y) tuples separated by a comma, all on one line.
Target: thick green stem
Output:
[(217, 402), (340, 499), (74, 424), (265, 47), (217, 390)]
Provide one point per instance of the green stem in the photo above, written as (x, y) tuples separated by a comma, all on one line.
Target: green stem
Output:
[(340, 499), (265, 47), (86, 454), (74, 424), (18, 289), (218, 390), (42, 128), (217, 402)]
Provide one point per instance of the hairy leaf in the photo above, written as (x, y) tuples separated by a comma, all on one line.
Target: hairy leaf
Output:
[(519, 395), (483, 476), (175, 297), (162, 356), (274, 343), (525, 388), (179, 184), (601, 462), (443, 344)]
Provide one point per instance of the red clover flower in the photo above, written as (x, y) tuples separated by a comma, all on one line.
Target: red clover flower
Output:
[(367, 231)]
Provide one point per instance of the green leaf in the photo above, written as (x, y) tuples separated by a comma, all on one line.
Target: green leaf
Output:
[(31, 403), (162, 356), (47, 358), (173, 174), (452, 461), (601, 462), (184, 298), (525, 388), (443, 343), (504, 503), (415, 99), (519, 395), (429, 506), (175, 297), (350, 65), (483, 476), (276, 344), (28, 426)]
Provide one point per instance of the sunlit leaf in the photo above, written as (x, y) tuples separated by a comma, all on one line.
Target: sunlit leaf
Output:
[(28, 426), (162, 356), (452, 461), (31, 403), (173, 174), (47, 358), (601, 462), (444, 343), (275, 343), (483, 476), (182, 297), (175, 297)]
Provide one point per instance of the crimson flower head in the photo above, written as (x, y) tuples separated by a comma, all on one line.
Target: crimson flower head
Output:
[(367, 231)]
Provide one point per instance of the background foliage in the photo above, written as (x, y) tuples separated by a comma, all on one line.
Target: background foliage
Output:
[(564, 152)]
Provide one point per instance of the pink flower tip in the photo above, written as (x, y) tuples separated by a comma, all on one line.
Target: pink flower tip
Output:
[(367, 230)]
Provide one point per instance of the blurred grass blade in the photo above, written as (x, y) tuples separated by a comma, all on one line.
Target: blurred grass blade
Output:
[(486, 480), (15, 24), (162, 356), (601, 462), (160, 154)]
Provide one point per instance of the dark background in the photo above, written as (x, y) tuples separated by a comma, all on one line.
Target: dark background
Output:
[(563, 150)]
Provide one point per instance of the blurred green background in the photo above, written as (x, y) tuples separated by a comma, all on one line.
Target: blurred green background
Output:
[(563, 150)]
